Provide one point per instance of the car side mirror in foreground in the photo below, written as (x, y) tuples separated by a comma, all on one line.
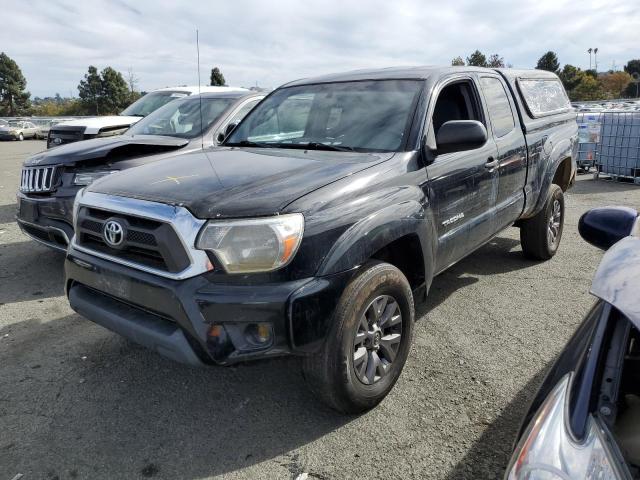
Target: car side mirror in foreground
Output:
[(602, 227), (459, 135)]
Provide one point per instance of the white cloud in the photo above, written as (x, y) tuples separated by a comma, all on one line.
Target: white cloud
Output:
[(272, 42)]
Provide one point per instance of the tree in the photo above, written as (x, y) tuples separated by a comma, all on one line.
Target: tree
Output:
[(495, 61), (477, 59), (90, 90), (14, 99), (103, 93), (588, 89), (570, 77), (614, 84), (457, 62), (632, 66), (217, 79), (114, 93), (549, 62)]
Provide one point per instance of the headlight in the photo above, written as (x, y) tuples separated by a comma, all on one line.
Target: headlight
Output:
[(255, 245), (548, 452), (76, 206), (87, 178)]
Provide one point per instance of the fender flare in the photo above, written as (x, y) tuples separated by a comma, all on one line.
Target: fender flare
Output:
[(560, 152), (378, 229)]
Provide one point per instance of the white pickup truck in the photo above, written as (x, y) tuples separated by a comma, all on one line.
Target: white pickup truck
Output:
[(92, 127)]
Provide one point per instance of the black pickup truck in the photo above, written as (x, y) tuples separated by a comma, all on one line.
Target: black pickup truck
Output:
[(324, 214)]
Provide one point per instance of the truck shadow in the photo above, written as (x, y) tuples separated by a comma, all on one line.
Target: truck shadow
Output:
[(489, 456), (498, 256), (124, 412), (29, 271)]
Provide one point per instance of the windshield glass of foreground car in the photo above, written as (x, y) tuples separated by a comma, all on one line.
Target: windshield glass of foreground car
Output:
[(182, 118), (359, 116), (151, 102)]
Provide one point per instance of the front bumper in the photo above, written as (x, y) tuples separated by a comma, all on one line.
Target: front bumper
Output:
[(176, 318), (8, 136), (46, 220)]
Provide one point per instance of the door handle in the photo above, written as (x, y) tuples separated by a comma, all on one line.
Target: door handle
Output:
[(491, 163)]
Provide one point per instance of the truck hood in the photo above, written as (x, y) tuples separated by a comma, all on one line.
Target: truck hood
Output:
[(236, 182), (111, 149), (94, 124)]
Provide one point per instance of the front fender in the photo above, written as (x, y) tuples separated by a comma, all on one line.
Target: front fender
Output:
[(378, 229)]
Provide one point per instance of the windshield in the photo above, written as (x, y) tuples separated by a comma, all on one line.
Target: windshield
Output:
[(182, 118), (16, 123), (151, 102), (358, 116)]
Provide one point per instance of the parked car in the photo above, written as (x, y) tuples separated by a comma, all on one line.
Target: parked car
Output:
[(323, 215), (110, 125), (51, 179), (584, 423), (3, 123), (18, 130)]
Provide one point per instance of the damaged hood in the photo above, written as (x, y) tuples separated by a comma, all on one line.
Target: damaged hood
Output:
[(236, 182), (119, 147)]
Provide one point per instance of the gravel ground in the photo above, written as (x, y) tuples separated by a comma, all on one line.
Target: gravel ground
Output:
[(77, 401)]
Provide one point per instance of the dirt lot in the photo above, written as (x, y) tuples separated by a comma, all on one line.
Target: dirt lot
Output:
[(77, 401)]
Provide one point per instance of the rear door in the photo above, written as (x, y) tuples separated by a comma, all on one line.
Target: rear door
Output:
[(462, 185), (512, 155)]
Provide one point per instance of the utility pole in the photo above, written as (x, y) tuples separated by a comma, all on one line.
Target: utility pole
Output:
[(595, 54), (590, 50)]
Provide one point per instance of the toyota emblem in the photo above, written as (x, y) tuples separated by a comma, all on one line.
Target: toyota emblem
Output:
[(113, 233)]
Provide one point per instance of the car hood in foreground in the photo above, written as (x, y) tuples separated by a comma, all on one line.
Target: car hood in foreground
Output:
[(236, 182), (114, 148), (618, 276)]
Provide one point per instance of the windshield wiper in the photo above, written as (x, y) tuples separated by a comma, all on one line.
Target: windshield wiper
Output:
[(317, 146), (249, 143)]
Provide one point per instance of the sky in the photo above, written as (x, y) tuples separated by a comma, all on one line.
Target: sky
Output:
[(271, 42)]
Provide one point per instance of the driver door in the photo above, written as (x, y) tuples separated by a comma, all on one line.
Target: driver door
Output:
[(462, 184)]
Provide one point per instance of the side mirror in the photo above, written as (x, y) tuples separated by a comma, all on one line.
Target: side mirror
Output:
[(459, 135), (227, 131), (602, 227)]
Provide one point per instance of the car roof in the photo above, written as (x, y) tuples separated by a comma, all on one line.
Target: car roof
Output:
[(226, 95), (415, 73), (390, 73), (203, 88)]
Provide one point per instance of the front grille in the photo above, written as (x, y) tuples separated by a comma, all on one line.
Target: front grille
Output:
[(38, 179), (150, 243)]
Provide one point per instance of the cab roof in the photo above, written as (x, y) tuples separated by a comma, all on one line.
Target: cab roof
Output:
[(415, 73)]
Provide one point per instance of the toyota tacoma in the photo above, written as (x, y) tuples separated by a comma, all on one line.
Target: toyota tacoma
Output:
[(321, 219)]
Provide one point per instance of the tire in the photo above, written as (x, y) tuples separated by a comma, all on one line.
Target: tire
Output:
[(540, 235), (20, 137), (334, 374)]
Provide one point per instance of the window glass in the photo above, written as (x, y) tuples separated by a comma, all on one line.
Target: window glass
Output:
[(498, 104), (543, 96), (182, 118), (246, 108), (361, 116)]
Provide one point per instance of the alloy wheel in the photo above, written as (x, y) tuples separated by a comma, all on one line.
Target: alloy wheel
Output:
[(377, 339), (553, 230)]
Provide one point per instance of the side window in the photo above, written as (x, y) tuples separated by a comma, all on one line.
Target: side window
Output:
[(246, 108), (543, 96), (498, 104), (456, 101)]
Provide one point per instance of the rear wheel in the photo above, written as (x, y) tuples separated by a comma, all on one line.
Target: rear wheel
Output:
[(540, 235), (369, 342)]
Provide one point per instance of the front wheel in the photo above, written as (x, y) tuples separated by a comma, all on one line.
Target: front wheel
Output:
[(369, 342), (20, 137), (540, 235)]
